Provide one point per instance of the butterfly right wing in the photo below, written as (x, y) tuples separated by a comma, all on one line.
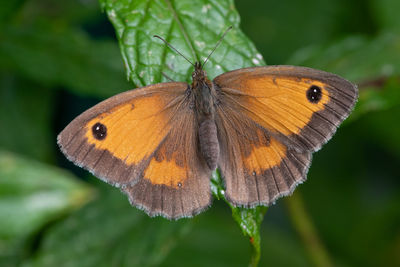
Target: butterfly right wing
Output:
[(270, 119)]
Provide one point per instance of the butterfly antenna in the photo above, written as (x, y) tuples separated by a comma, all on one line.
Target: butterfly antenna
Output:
[(166, 76), (173, 48), (215, 47)]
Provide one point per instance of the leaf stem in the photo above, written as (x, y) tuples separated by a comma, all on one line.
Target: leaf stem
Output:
[(305, 228)]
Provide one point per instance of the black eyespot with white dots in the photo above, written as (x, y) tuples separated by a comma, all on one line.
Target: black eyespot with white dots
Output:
[(99, 131), (314, 94)]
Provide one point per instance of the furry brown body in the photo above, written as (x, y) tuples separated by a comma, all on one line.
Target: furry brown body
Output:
[(205, 98)]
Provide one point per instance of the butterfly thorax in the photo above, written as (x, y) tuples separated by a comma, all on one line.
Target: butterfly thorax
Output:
[(203, 92), (204, 97)]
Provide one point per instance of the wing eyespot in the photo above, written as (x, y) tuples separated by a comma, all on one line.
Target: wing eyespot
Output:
[(99, 131), (314, 94)]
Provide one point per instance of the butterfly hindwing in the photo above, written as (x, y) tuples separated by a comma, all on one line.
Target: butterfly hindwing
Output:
[(135, 141), (257, 168), (302, 107)]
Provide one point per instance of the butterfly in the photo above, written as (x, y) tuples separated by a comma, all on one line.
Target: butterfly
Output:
[(259, 125)]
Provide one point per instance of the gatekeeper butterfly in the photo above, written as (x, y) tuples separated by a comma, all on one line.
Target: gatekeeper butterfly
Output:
[(160, 143)]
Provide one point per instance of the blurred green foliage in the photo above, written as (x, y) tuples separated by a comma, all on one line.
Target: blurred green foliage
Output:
[(57, 58)]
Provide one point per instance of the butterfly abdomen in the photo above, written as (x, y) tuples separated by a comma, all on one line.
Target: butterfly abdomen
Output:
[(209, 145), (204, 99)]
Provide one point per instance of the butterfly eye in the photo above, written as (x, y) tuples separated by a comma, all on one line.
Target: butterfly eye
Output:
[(99, 131), (314, 94)]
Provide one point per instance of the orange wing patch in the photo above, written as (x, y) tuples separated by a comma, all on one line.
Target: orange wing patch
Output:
[(265, 156), (166, 172), (286, 108), (134, 129)]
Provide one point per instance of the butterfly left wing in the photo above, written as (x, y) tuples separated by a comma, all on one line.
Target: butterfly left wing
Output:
[(144, 142)]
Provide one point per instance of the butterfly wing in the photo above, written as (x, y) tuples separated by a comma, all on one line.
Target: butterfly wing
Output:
[(257, 168), (270, 120), (144, 141), (302, 107)]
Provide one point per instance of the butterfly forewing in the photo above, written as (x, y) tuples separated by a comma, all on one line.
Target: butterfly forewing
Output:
[(300, 106)]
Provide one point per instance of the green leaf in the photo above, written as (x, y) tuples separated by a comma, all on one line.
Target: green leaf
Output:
[(356, 58), (26, 111), (192, 27), (382, 126), (386, 14), (8, 9), (32, 194), (248, 219), (216, 241), (109, 232), (63, 57), (381, 96)]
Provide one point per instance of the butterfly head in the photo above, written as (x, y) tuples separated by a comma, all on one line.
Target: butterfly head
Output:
[(199, 76), (199, 72)]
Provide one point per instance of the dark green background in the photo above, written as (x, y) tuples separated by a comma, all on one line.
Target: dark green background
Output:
[(58, 58)]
